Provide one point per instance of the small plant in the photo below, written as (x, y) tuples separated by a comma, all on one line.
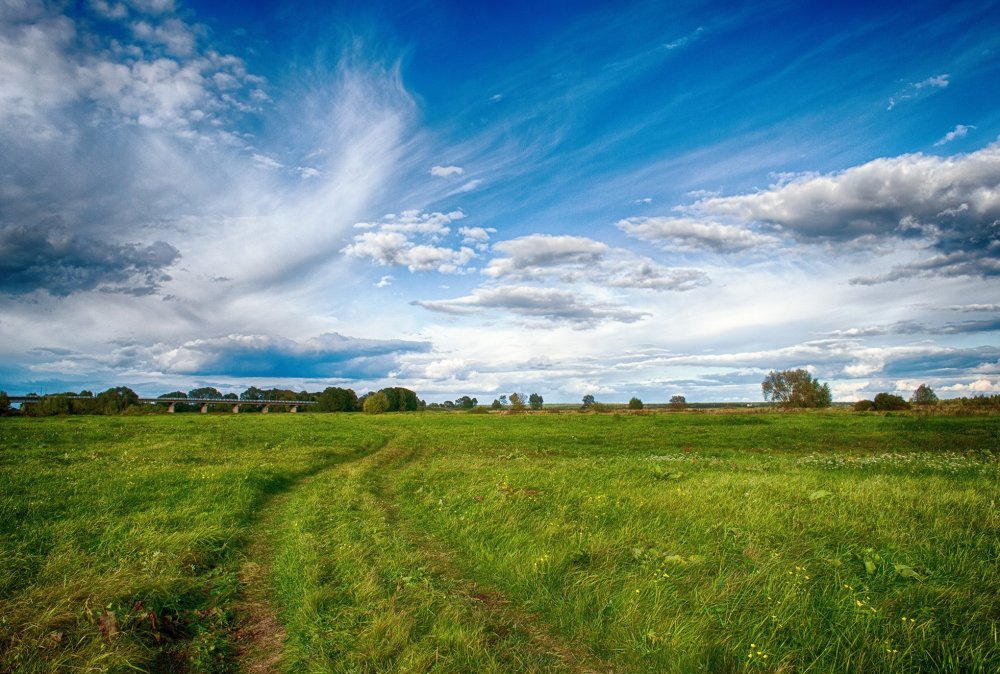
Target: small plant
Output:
[(635, 404)]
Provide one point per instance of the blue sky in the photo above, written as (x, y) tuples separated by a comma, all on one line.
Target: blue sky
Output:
[(613, 199)]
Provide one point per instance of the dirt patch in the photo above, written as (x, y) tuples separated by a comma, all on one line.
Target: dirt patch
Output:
[(258, 636)]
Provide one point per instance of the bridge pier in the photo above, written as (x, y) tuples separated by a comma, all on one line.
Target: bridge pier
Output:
[(293, 409), (236, 409), (265, 409), (204, 408), (170, 408)]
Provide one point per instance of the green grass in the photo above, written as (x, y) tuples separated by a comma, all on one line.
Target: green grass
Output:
[(826, 542)]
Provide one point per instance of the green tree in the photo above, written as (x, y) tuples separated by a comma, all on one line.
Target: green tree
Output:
[(54, 405), (635, 404), (588, 400), (497, 405), (401, 399), (516, 402), (4, 403), (466, 403), (535, 401), (335, 399), (795, 388), (924, 395), (205, 392), (115, 400), (678, 402), (253, 393), (888, 401), (376, 403)]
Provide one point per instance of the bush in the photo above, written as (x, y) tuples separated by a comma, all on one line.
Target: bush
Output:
[(376, 403), (887, 402), (864, 406), (635, 404)]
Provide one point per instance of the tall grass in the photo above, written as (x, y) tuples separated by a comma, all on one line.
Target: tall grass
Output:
[(447, 542)]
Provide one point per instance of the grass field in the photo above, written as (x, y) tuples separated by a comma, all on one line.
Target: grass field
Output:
[(689, 542)]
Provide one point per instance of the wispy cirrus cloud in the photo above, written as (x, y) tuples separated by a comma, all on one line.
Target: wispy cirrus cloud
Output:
[(960, 131), (921, 88)]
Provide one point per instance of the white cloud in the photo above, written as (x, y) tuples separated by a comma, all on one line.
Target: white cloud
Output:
[(390, 247), (691, 234), (951, 204), (174, 34), (267, 162), (916, 89), (466, 187), (385, 282), (960, 131), (537, 303), (447, 171), (977, 387), (573, 259), (476, 234), (539, 255)]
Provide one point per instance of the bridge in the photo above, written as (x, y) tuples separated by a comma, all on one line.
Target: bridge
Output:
[(171, 403)]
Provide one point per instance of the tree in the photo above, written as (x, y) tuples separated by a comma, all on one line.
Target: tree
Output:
[(588, 400), (635, 404), (4, 403), (466, 403), (535, 401), (252, 393), (179, 407), (205, 392), (795, 388), (864, 406), (497, 405), (516, 402), (376, 403), (888, 401), (335, 399), (400, 399), (503, 401), (924, 395), (115, 400), (678, 402)]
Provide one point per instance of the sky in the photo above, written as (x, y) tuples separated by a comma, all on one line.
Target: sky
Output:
[(566, 198)]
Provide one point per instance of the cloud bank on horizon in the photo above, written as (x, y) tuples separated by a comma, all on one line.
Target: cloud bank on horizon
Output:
[(613, 200)]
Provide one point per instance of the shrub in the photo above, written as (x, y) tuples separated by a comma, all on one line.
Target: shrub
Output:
[(864, 406), (887, 401), (376, 403), (924, 395), (635, 404)]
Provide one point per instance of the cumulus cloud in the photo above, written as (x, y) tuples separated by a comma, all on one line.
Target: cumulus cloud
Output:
[(688, 234), (49, 257), (538, 255), (330, 355), (49, 62), (573, 259), (478, 235), (977, 387), (447, 171), (949, 203), (530, 302), (960, 131), (410, 240)]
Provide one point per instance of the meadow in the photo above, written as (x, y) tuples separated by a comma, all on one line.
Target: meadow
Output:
[(449, 542)]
